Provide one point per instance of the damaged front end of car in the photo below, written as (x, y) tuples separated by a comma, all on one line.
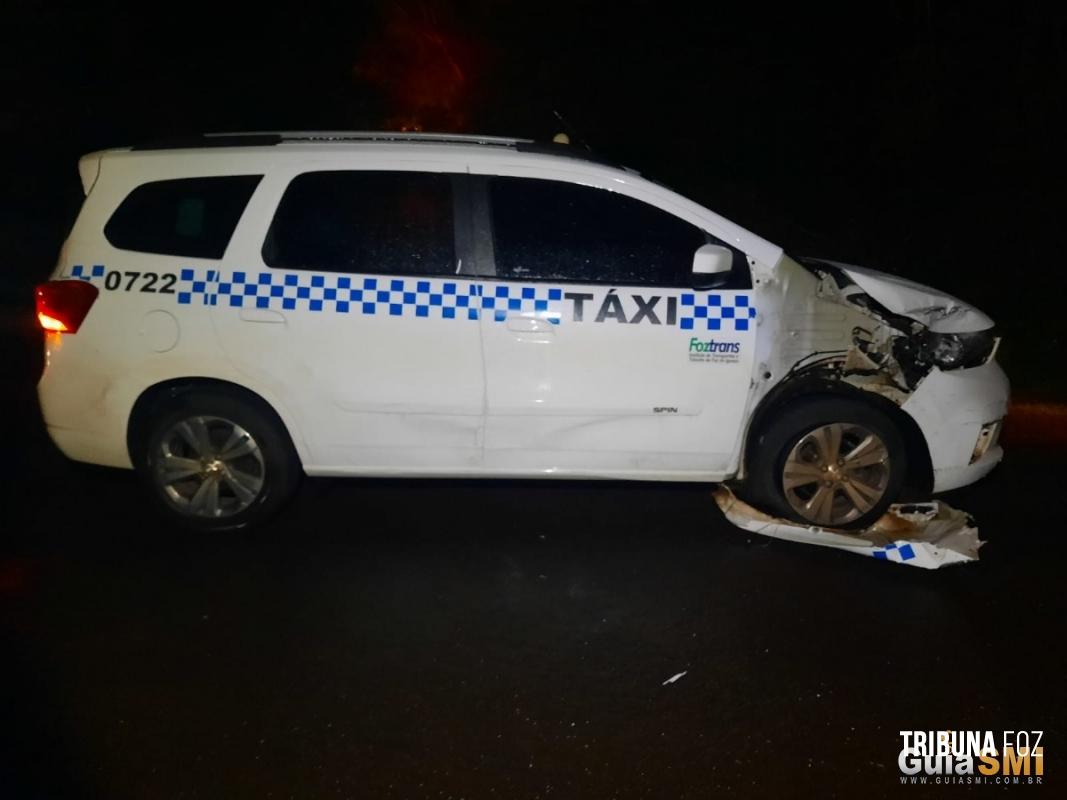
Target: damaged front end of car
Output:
[(916, 358), (838, 329), (893, 355)]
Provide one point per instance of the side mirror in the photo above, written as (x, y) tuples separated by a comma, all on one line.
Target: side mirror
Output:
[(711, 265)]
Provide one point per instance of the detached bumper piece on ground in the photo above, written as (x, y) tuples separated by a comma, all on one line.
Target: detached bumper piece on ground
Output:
[(928, 535)]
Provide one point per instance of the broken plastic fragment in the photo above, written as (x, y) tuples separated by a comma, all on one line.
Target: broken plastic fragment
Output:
[(928, 535), (673, 678)]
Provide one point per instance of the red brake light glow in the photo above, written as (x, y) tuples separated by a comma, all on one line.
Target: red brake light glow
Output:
[(63, 305)]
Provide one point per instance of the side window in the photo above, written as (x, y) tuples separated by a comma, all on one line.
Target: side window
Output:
[(551, 230), (192, 217), (384, 222)]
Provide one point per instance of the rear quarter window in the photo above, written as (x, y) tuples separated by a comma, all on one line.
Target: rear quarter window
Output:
[(192, 217)]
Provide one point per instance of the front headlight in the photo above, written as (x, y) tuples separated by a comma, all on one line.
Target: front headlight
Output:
[(957, 350)]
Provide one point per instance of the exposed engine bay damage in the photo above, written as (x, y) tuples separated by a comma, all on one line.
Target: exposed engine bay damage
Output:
[(928, 535), (836, 331)]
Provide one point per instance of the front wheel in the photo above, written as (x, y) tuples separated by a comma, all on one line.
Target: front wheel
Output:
[(829, 462), (216, 462)]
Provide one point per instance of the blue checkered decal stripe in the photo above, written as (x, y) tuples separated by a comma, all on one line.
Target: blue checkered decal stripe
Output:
[(437, 298), (905, 552), (715, 312), (80, 272), (500, 299), (397, 297)]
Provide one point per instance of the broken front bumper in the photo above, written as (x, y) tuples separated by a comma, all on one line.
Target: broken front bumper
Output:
[(958, 412)]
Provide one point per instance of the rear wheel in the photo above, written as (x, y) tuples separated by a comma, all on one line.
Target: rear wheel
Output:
[(829, 462), (216, 462)]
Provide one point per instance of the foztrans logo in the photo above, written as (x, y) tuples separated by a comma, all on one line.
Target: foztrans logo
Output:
[(714, 350), (971, 757)]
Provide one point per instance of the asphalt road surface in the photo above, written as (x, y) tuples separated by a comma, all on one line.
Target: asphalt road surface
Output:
[(498, 639)]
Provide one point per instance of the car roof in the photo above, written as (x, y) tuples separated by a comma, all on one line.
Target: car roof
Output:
[(248, 148), (269, 138), (325, 138)]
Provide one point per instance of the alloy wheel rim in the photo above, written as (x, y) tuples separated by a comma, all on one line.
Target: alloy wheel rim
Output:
[(836, 473), (209, 467)]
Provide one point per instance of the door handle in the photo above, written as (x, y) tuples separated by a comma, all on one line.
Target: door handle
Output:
[(262, 315), (530, 325)]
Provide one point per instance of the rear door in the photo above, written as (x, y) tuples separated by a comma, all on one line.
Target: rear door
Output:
[(351, 301), (601, 356)]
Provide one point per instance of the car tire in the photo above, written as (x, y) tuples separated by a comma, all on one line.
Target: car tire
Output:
[(827, 462), (214, 461)]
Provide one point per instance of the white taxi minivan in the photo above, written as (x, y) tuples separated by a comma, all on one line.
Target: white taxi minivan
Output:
[(232, 312)]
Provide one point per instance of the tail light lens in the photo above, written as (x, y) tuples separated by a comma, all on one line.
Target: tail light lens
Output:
[(62, 305)]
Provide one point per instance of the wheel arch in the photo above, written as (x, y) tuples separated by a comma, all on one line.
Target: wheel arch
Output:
[(920, 474), (156, 395)]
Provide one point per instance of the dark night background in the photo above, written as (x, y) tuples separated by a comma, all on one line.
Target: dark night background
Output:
[(922, 138), (918, 137)]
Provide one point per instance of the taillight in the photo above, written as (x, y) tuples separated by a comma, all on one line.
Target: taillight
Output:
[(62, 305)]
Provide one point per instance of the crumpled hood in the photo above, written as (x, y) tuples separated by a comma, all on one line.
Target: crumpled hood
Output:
[(939, 311)]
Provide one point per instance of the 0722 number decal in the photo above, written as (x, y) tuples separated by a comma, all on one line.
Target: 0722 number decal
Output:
[(140, 282)]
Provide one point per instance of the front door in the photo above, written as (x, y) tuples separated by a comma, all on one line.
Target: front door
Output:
[(601, 358)]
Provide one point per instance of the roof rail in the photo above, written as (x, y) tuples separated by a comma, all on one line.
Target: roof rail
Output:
[(270, 138), (212, 140), (391, 136), (378, 136)]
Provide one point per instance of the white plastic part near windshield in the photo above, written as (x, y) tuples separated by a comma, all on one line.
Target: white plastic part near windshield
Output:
[(938, 310)]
